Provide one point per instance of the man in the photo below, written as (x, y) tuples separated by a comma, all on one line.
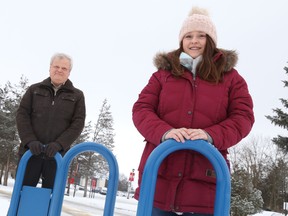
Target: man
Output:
[(49, 119)]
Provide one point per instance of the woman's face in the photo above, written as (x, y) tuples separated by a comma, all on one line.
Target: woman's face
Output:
[(194, 43)]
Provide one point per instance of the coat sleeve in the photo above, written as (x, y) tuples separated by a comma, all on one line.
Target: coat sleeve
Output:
[(144, 112), (240, 116), (23, 118), (77, 124)]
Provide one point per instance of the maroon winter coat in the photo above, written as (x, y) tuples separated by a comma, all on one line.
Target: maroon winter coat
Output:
[(224, 110)]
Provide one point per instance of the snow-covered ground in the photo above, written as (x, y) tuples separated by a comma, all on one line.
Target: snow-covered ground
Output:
[(78, 205), (83, 206), (268, 213)]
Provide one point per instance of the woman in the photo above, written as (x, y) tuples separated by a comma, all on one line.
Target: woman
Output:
[(195, 94)]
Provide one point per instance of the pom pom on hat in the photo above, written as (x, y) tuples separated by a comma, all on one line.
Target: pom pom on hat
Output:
[(198, 20)]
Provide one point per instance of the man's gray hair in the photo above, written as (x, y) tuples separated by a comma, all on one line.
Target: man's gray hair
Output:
[(62, 56)]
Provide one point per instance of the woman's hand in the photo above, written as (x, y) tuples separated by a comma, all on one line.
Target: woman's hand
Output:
[(195, 134), (182, 134)]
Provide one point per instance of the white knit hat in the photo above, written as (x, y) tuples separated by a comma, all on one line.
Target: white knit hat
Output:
[(198, 20)]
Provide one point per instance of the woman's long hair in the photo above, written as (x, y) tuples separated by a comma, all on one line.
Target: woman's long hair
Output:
[(211, 68)]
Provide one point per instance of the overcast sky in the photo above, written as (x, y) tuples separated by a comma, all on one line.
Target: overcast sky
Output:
[(113, 43)]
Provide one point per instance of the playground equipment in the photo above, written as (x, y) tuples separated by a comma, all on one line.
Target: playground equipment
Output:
[(56, 202), (27, 200), (223, 182), (24, 198)]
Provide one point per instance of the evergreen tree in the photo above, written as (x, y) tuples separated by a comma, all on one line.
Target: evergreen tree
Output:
[(245, 199), (93, 164), (281, 119), (104, 134), (85, 135), (10, 97), (78, 166), (104, 131), (123, 183), (274, 187)]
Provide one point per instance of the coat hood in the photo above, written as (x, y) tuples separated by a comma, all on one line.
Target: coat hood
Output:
[(163, 60)]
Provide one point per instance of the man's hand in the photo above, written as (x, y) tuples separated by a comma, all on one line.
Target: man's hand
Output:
[(35, 147), (52, 148)]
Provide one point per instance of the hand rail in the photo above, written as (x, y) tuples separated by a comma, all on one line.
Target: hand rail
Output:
[(57, 198), (16, 194), (223, 182), (61, 177)]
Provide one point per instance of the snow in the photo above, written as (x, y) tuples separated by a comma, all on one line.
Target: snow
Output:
[(78, 205), (84, 206), (268, 213)]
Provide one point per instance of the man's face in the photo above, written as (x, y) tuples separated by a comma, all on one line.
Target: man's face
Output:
[(59, 71)]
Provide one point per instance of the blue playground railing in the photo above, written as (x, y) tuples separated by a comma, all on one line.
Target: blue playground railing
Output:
[(57, 199), (16, 194), (55, 203), (223, 182)]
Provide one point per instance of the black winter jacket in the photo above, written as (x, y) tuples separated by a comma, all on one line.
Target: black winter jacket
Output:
[(49, 117)]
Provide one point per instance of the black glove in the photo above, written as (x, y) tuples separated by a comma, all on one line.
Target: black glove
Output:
[(52, 148), (35, 147)]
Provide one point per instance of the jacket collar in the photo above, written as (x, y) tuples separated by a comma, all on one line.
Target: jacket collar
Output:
[(67, 85), (163, 60)]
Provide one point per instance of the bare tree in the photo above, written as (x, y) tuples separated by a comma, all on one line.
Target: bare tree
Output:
[(260, 159)]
